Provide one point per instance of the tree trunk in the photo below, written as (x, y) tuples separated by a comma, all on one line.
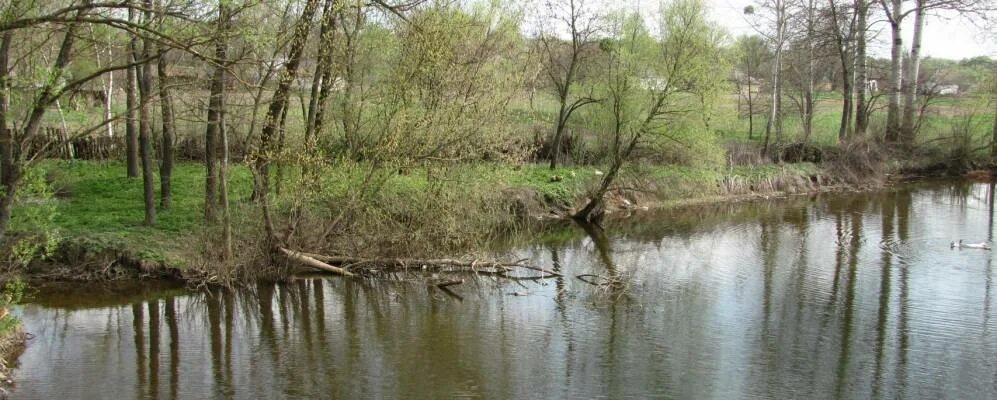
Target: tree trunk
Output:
[(808, 94), (896, 59), (108, 82), (774, 122), (7, 165), (145, 128), (275, 112), (559, 131), (861, 74), (910, 83), (847, 93), (214, 118), (166, 165), (131, 103), (751, 112), (328, 32), (223, 184)]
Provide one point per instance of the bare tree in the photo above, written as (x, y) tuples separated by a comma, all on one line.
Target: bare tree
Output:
[(774, 28), (563, 62), (843, 29), (752, 53)]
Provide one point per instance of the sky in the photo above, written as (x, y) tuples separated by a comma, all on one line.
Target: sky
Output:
[(945, 36)]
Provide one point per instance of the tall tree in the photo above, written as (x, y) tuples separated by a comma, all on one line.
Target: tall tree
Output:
[(145, 122), (215, 106), (894, 16), (166, 106), (752, 54), (131, 104), (322, 79), (563, 62), (910, 81), (774, 29), (843, 29)]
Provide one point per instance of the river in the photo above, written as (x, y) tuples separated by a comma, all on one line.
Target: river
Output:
[(833, 296)]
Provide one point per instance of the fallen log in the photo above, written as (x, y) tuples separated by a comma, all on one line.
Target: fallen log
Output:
[(310, 261), (407, 263)]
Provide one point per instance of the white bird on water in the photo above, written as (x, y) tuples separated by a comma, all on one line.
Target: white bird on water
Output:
[(981, 245)]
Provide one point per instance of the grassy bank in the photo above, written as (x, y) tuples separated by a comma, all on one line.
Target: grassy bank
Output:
[(97, 211)]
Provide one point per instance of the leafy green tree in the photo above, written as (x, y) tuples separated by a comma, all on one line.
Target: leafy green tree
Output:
[(657, 88)]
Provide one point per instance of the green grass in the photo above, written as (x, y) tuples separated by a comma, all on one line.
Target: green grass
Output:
[(97, 204)]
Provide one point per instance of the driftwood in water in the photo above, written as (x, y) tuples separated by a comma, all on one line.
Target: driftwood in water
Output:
[(309, 261), (347, 264)]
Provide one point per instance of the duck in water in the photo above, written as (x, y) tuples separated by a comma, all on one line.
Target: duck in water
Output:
[(962, 245)]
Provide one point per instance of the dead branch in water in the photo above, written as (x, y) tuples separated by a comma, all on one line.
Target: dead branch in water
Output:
[(599, 280), (371, 265)]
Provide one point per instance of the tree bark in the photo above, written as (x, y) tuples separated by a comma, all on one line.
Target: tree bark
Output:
[(211, 133), (911, 82), (861, 74), (896, 59), (131, 103), (145, 127), (166, 164)]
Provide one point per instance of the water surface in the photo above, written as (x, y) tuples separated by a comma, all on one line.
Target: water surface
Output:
[(839, 296)]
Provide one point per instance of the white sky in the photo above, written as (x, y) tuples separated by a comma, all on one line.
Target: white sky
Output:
[(945, 36)]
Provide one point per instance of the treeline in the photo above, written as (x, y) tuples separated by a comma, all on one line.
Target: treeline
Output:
[(291, 87)]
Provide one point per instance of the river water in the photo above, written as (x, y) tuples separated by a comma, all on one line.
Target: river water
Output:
[(832, 296)]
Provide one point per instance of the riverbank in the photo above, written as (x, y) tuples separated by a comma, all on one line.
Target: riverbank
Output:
[(354, 210)]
